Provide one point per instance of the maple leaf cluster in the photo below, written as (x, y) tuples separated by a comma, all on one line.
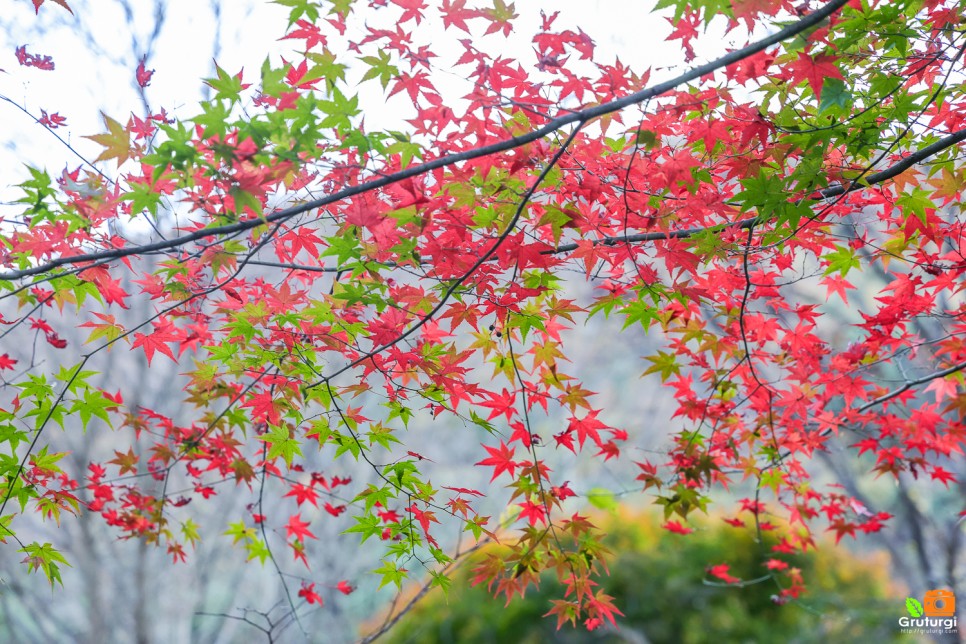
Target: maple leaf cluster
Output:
[(326, 285)]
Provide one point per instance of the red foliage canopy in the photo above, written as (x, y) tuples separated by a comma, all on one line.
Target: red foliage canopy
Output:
[(303, 263)]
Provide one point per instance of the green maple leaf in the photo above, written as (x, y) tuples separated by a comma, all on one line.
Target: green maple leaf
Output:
[(391, 573), (281, 444), (93, 404), (46, 559)]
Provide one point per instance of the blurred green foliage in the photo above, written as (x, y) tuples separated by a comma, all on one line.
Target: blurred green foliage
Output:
[(658, 579)]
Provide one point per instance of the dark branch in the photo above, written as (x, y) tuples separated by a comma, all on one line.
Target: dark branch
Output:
[(833, 191), (580, 116)]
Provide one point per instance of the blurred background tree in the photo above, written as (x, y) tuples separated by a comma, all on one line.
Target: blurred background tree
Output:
[(666, 598)]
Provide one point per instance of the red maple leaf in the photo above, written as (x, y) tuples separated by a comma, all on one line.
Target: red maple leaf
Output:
[(56, 341), (414, 84), (52, 121), (334, 510), (107, 286), (776, 564), (677, 527), (176, 550), (296, 76), (565, 439), (303, 493), (298, 528), (721, 572), (533, 512), (500, 459), (141, 128), (814, 70), (307, 592), (154, 342), (520, 433), (841, 527), (455, 14), (6, 362), (365, 211), (685, 29), (389, 516), (562, 492), (463, 490), (62, 3), (588, 427), (142, 75), (601, 607), (308, 32), (412, 10), (41, 325), (265, 408), (940, 474), (424, 517), (39, 61), (344, 587), (748, 10), (501, 404)]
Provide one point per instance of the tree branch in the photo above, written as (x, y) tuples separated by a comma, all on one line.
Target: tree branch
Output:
[(391, 619), (742, 224), (579, 116), (910, 384)]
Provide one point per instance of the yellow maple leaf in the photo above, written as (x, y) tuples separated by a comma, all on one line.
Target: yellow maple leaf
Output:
[(116, 141), (949, 185), (911, 177)]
